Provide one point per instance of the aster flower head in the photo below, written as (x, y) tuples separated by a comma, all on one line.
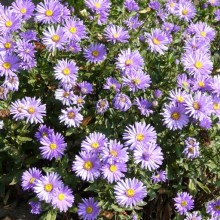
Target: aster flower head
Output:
[(66, 71), (63, 198), (7, 45), (29, 35), (199, 106), (217, 15), (112, 84), (155, 5), (183, 202), (193, 216), (158, 93), (79, 100), (98, 5), (171, 6), (185, 10), (160, 176), (46, 186), (113, 172), (206, 123), (95, 53), (157, 41), (213, 208), (116, 34), (131, 5), (216, 106), (129, 60), (177, 96), (29, 177), (129, 192), (94, 142), (65, 95), (149, 156), (43, 131), (54, 38), (202, 83), (11, 82), (74, 29), (17, 109), (133, 23), (197, 63), (183, 81), (139, 134), (143, 106), (121, 102), (136, 80), (88, 209), (35, 207), (113, 152), (191, 149), (214, 85), (87, 166), (85, 87), (214, 2), (73, 47), (102, 106)]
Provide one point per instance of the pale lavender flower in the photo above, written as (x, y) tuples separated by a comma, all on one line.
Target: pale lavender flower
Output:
[(131, 5), (112, 84), (133, 23), (98, 5), (191, 149), (217, 15), (183, 81), (85, 87), (143, 106), (213, 208), (35, 207), (214, 2), (193, 216), (215, 85), (102, 106), (43, 131), (73, 47), (160, 176), (65, 95), (185, 10), (121, 102)]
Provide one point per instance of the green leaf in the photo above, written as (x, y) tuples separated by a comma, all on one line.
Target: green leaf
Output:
[(24, 139), (50, 215), (204, 188)]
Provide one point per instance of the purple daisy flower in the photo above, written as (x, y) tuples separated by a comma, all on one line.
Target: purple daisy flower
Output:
[(191, 149), (54, 38), (87, 166), (131, 5), (183, 81), (88, 209), (43, 131), (79, 100), (198, 106), (215, 86), (121, 102), (129, 61), (6, 45), (74, 29), (17, 109), (46, 186), (95, 53), (114, 171), (48, 12), (130, 192), (139, 134), (114, 151), (155, 5), (112, 84), (29, 35), (98, 5), (85, 87), (216, 106), (102, 106), (35, 207), (11, 82), (214, 2), (29, 177), (63, 198), (206, 123), (217, 15), (136, 80), (116, 34), (94, 142), (158, 93), (23, 8), (171, 6), (66, 71), (184, 202), (34, 110), (201, 82), (185, 10), (65, 95), (149, 156), (53, 146), (193, 216), (133, 23), (157, 41), (160, 176), (71, 117), (213, 208), (197, 63), (73, 47), (143, 106)]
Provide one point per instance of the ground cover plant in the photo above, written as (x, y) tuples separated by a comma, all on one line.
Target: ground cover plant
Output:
[(110, 109)]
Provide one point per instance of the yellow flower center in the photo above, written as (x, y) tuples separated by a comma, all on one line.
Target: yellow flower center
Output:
[(8, 23), (95, 145), (112, 168), (139, 137), (185, 83), (201, 84), (53, 146), (89, 209), (66, 94), (175, 116), (6, 65), (185, 12), (79, 101), (23, 10), (7, 45), (196, 106), (198, 65), (88, 165), (172, 4), (203, 33), (73, 30), (48, 187), (116, 35), (49, 13), (61, 196), (184, 203), (31, 110), (95, 53), (191, 149), (32, 180), (216, 106), (97, 5), (113, 153), (155, 41), (217, 207), (44, 134), (66, 71), (128, 62), (55, 38), (130, 192), (180, 99), (136, 81), (71, 115)]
